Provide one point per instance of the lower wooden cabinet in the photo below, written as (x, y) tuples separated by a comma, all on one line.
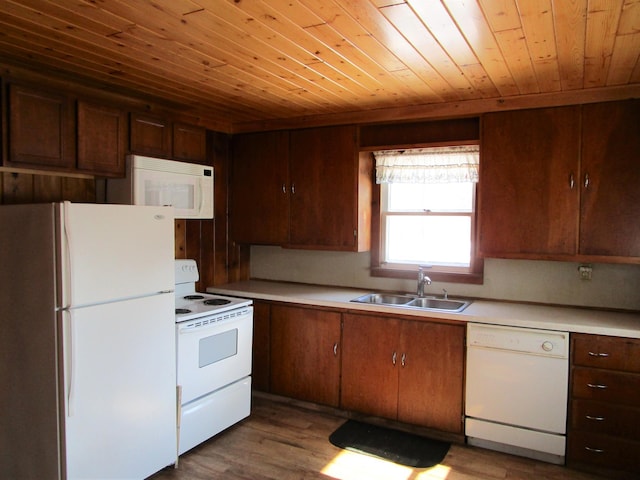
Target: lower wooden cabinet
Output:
[(604, 427), (260, 369), (305, 353), (404, 370)]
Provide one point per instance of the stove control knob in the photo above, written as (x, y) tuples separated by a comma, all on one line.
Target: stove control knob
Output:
[(547, 346)]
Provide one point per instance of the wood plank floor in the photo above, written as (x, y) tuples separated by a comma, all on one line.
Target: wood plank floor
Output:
[(289, 441)]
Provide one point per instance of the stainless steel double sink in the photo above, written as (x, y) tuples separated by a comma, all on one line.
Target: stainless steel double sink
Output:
[(412, 301)]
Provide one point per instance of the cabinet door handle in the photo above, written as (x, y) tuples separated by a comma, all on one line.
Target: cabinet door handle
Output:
[(571, 181), (403, 359), (335, 349), (596, 385), (393, 358), (587, 180), (594, 354), (284, 188), (293, 188), (597, 419), (594, 450)]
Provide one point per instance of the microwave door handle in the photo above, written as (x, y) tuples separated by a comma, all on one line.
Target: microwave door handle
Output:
[(201, 194)]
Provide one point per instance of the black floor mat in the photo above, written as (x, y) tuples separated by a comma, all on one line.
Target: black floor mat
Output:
[(393, 445)]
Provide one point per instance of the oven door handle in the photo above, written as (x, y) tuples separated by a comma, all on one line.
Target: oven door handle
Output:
[(199, 328)]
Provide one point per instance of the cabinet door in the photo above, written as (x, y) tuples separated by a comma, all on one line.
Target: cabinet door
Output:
[(324, 188), (431, 375), (102, 139), (610, 214), (260, 188), (305, 354), (529, 195), (41, 129), (150, 135), (261, 346), (189, 143), (370, 357)]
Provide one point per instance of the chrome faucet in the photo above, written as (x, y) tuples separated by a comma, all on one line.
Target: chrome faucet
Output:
[(422, 281)]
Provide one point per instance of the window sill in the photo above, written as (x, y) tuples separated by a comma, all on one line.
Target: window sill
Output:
[(476, 278)]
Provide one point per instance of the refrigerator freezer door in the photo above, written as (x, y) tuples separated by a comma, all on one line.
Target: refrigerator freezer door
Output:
[(113, 252), (120, 388)]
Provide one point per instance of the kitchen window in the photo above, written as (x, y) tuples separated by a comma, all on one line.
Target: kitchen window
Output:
[(427, 213)]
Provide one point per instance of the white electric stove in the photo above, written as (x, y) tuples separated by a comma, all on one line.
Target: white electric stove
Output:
[(213, 342)]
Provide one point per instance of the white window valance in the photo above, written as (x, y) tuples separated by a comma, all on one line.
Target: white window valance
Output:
[(457, 164)]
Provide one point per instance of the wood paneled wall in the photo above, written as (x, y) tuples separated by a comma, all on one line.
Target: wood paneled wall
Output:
[(207, 241), (35, 188)]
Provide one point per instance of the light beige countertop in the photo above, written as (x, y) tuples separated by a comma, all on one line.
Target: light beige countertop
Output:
[(569, 319)]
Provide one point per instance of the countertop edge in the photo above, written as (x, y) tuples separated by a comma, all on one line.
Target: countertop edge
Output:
[(559, 318)]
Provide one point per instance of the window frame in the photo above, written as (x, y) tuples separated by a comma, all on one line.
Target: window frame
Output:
[(473, 275)]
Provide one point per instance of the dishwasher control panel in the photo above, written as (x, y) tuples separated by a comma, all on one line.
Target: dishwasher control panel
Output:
[(516, 339)]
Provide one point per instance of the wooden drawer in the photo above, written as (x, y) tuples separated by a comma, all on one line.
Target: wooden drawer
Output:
[(603, 451), (606, 386), (605, 418), (613, 353)]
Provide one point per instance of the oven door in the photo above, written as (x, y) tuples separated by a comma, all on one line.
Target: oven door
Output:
[(213, 352)]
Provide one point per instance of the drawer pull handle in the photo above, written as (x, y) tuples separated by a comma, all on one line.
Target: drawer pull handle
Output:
[(597, 419), (594, 354), (594, 450), (596, 385)]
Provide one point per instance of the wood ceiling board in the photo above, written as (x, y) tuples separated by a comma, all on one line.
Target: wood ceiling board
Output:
[(539, 31), (472, 23), (601, 25), (518, 60), (405, 21), (570, 28), (245, 61)]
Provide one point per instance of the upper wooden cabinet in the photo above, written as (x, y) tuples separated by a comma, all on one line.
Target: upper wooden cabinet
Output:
[(157, 136), (150, 135), (189, 143), (561, 183), (330, 190), (610, 179), (102, 139), (41, 129), (259, 187), (303, 189), (409, 371), (529, 173)]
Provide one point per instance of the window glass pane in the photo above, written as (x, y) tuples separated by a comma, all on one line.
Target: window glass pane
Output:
[(431, 240), (447, 197)]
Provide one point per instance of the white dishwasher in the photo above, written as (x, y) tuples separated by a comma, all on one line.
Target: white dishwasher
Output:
[(516, 390)]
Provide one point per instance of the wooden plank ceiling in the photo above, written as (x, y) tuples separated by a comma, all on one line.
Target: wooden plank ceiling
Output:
[(251, 61)]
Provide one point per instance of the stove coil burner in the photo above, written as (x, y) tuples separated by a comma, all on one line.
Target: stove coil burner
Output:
[(193, 297), (217, 301), (182, 310)]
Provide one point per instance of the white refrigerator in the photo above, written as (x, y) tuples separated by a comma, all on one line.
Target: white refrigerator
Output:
[(87, 338)]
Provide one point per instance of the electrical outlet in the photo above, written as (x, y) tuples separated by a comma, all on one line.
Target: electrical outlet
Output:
[(585, 272)]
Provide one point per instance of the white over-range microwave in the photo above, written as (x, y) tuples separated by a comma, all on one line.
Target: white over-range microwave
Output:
[(188, 187)]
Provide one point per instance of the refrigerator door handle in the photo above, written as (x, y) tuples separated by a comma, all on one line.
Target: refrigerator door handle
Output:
[(69, 360), (68, 247)]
